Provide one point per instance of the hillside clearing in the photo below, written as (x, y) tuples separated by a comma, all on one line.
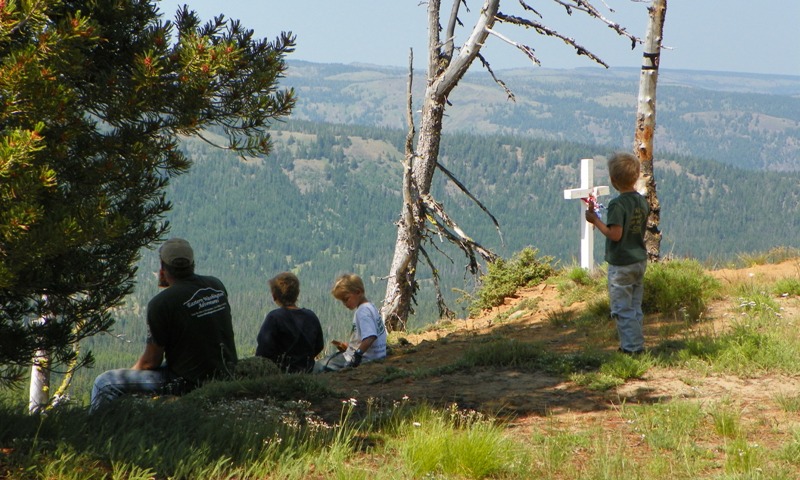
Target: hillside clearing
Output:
[(534, 401)]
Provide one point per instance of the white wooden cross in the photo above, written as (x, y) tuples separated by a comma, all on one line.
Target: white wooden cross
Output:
[(587, 229)]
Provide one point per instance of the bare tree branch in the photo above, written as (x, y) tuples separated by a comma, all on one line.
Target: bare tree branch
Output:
[(509, 93), (409, 145), (457, 235), (408, 161), (466, 192), (201, 137), (451, 29), (589, 9), (530, 9), (434, 47), (444, 310), (528, 51), (459, 65), (402, 271), (544, 30)]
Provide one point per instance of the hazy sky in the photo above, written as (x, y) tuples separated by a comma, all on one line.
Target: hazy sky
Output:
[(758, 36)]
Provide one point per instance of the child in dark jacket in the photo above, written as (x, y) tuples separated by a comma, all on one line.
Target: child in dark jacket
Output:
[(290, 336)]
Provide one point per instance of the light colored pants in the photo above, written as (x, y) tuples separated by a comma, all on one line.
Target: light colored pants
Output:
[(331, 363), (112, 384), (625, 291)]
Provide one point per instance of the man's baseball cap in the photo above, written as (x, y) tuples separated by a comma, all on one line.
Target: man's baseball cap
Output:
[(176, 252)]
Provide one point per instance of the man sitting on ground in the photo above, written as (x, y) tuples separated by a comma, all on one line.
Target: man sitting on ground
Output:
[(189, 326)]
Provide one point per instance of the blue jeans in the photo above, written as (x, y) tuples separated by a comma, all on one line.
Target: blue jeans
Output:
[(625, 291), (112, 384)]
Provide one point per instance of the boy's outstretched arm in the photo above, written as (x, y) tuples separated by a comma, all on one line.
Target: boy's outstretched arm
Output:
[(612, 232)]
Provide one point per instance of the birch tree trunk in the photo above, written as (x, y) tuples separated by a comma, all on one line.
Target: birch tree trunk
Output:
[(39, 391), (646, 123)]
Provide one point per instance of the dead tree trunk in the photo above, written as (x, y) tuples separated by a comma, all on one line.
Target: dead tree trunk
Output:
[(444, 72), (421, 213), (646, 123)]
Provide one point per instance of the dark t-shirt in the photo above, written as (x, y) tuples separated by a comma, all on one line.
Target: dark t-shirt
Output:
[(292, 338), (630, 211), (191, 319)]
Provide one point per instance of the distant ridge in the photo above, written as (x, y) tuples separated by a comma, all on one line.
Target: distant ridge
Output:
[(747, 120)]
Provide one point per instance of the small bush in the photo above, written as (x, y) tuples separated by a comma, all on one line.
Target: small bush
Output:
[(504, 277), (576, 284), (463, 444), (626, 367), (580, 276), (788, 403), (787, 287), (255, 367), (678, 287)]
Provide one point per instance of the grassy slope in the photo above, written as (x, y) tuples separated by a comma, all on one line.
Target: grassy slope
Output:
[(717, 397)]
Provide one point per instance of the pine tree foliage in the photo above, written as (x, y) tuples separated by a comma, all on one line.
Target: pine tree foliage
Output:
[(94, 96)]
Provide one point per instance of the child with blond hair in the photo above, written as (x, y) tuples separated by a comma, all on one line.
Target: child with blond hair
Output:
[(368, 338), (625, 252)]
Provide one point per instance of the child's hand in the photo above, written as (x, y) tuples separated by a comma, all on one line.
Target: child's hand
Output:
[(358, 355), (341, 346), (591, 215)]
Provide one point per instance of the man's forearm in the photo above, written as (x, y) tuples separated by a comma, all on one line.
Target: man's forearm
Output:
[(151, 358)]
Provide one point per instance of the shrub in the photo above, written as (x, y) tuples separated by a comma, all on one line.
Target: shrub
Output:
[(678, 286), (504, 277), (787, 286)]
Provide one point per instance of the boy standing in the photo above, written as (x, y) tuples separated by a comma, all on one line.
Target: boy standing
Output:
[(625, 250)]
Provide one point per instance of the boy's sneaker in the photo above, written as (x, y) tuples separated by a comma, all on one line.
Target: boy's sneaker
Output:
[(630, 352)]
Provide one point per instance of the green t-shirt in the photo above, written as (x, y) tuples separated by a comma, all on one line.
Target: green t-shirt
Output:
[(192, 321), (629, 210)]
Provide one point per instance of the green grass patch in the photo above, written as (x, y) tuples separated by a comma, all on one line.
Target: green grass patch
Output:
[(790, 452), (460, 444), (680, 288), (727, 421), (666, 426), (576, 284), (753, 345), (504, 277), (788, 402), (530, 356), (614, 371), (787, 287)]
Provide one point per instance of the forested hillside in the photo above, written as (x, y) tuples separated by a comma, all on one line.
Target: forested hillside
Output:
[(746, 120), (325, 202)]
